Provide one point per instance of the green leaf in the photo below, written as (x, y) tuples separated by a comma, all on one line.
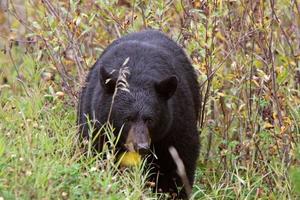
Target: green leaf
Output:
[(2, 146)]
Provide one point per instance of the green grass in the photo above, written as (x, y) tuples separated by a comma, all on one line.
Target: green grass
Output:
[(41, 158)]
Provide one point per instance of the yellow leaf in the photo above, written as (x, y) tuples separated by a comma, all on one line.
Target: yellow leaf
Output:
[(287, 121), (292, 63), (267, 125), (130, 159), (220, 36), (197, 4), (283, 129), (2, 17), (255, 82), (221, 94)]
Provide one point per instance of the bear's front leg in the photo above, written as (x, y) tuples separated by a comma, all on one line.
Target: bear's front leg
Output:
[(165, 175), (170, 182)]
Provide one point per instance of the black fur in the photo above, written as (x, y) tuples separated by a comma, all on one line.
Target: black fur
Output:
[(163, 98)]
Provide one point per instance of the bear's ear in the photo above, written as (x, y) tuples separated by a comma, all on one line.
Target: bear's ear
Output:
[(107, 81), (167, 87)]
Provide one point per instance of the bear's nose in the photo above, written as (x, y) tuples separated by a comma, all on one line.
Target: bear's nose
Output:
[(142, 148)]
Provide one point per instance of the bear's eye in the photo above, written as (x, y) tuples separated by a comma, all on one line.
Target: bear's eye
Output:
[(128, 119)]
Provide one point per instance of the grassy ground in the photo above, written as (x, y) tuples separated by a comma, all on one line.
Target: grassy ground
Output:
[(250, 131), (40, 158)]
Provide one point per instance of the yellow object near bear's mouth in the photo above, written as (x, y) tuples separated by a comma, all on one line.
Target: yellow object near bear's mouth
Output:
[(130, 159)]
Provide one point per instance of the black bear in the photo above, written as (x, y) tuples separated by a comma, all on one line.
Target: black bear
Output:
[(144, 84)]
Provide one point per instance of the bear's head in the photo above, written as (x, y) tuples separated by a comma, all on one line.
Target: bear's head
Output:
[(140, 108)]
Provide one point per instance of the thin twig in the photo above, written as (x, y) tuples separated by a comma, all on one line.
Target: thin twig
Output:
[(18, 74)]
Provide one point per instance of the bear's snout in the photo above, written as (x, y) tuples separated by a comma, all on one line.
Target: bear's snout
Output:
[(138, 138)]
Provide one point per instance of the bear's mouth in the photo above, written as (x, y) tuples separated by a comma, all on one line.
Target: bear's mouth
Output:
[(140, 148), (138, 138)]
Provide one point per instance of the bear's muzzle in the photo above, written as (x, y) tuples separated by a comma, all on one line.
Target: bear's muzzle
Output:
[(138, 139)]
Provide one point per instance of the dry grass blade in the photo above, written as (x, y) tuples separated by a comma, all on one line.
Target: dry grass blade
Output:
[(181, 170)]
